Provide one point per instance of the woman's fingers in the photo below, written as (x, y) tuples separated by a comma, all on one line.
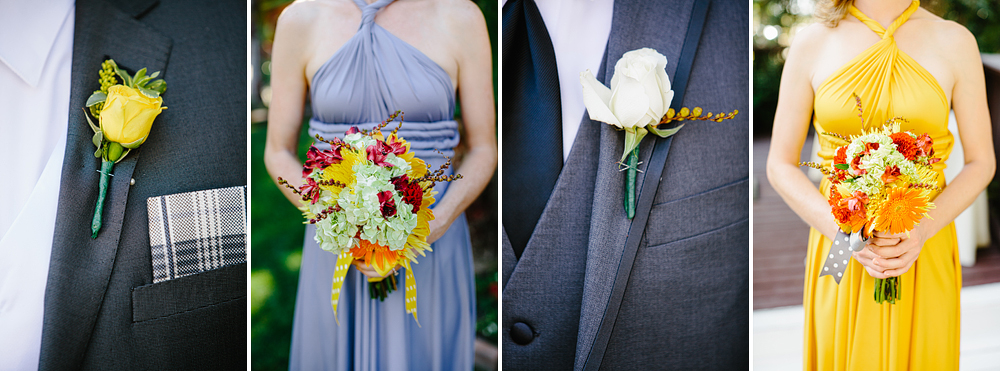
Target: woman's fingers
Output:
[(366, 270), (884, 241), (898, 271)]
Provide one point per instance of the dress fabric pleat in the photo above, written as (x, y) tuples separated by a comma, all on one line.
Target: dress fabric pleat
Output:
[(374, 74), (844, 328)]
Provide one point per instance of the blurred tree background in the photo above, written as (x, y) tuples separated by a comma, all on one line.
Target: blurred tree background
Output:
[(276, 244), (775, 23)]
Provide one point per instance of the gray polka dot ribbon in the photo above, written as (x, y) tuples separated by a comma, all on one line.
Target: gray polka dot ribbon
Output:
[(840, 254)]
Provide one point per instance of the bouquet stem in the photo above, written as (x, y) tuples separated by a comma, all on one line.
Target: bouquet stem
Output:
[(632, 165), (887, 290), (106, 167), (382, 288)]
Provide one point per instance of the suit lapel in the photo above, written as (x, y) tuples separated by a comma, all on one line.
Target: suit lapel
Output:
[(635, 25), (81, 267)]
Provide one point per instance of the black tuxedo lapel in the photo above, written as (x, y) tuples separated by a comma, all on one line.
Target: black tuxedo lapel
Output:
[(660, 25), (80, 267)]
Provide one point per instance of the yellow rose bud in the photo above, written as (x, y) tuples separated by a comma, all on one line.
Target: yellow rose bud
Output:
[(128, 115)]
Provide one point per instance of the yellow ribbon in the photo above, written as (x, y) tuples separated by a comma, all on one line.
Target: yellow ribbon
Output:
[(344, 263)]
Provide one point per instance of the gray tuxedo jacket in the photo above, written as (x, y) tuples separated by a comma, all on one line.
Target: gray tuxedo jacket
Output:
[(686, 303), (96, 317)]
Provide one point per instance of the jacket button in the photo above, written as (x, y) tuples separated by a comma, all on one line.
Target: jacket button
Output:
[(521, 333)]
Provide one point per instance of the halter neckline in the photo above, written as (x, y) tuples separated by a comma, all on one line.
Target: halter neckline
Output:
[(877, 28), (368, 10)]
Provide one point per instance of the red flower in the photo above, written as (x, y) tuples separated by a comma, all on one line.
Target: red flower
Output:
[(352, 130), (387, 204), (316, 159), (856, 167), (905, 144), (377, 155), (310, 189), (857, 201), (395, 147), (841, 157), (890, 175), (412, 193), (869, 147), (925, 145)]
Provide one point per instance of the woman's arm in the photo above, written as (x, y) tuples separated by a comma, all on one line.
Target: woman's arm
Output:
[(475, 91), (288, 91), (791, 125), (974, 129)]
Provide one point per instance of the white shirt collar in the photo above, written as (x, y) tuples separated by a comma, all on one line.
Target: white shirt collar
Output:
[(30, 29)]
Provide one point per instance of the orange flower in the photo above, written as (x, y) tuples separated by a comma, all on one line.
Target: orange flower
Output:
[(375, 255), (901, 210)]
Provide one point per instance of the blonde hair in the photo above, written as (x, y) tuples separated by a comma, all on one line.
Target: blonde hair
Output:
[(830, 12)]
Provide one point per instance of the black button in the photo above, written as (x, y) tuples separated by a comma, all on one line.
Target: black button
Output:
[(521, 333)]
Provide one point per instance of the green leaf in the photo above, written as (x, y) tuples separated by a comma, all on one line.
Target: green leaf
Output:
[(91, 122), (98, 153), (665, 132), (126, 79), (632, 140), (135, 144), (96, 98), (127, 150), (158, 85), (139, 75), (842, 166), (154, 74), (148, 92), (98, 138)]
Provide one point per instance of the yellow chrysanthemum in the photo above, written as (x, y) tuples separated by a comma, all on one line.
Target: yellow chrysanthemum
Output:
[(343, 171)]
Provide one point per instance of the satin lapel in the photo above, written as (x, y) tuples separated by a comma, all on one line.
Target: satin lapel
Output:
[(80, 267), (660, 25)]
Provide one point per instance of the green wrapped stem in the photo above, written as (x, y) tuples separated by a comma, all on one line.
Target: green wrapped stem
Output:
[(632, 165), (887, 290), (106, 167), (382, 288)]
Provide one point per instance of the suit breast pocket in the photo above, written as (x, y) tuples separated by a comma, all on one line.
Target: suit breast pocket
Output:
[(698, 214), (193, 322)]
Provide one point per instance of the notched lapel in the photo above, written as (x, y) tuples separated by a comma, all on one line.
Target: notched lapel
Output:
[(661, 26), (80, 267)]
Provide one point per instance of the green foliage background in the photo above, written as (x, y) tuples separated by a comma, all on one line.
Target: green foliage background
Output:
[(981, 17), (276, 244)]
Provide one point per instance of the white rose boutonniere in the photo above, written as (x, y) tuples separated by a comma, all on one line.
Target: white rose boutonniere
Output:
[(637, 102)]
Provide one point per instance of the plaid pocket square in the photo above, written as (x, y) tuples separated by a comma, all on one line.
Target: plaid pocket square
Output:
[(197, 231)]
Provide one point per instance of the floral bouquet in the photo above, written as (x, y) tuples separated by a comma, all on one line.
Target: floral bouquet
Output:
[(370, 199), (882, 181)]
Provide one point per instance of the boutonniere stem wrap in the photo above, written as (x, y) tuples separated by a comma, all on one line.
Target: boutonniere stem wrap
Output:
[(124, 107), (638, 103)]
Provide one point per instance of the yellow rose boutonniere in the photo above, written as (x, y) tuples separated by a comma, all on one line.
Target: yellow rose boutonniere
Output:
[(125, 113)]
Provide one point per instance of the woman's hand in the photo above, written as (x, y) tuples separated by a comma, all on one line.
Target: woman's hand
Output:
[(369, 271), (437, 227), (891, 255)]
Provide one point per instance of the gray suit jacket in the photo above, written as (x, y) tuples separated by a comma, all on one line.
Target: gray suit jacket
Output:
[(686, 303), (94, 318)]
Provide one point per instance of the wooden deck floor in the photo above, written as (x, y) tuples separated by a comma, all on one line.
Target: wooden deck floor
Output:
[(779, 246)]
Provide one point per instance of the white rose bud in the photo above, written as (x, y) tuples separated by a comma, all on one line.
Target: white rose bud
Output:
[(639, 95)]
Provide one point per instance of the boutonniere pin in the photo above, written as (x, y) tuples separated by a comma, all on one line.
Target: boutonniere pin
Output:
[(124, 108), (637, 102)]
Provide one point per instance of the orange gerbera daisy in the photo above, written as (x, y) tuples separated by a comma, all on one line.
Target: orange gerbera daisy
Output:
[(375, 255), (901, 210)]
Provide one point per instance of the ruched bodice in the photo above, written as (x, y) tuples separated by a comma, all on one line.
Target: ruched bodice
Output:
[(373, 75), (890, 84), (845, 329)]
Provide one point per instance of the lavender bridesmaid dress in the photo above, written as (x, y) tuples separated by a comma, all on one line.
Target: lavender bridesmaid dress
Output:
[(369, 78)]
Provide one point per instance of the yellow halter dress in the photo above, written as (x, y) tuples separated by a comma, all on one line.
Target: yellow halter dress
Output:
[(844, 328)]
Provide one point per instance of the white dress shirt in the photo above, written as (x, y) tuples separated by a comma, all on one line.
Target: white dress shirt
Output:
[(579, 31), (36, 49)]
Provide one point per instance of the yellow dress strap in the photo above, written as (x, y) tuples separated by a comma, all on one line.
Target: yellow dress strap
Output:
[(875, 26)]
